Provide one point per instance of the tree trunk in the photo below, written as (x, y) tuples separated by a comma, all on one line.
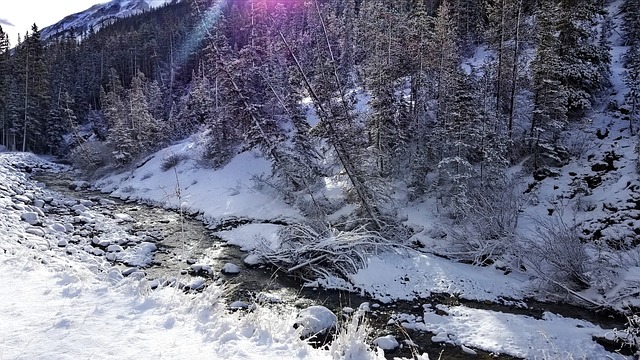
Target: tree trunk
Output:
[(26, 106)]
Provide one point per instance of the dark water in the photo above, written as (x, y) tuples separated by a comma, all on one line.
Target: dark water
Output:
[(181, 239)]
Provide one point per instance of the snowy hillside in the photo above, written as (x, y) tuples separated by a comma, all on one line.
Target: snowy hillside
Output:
[(98, 16)]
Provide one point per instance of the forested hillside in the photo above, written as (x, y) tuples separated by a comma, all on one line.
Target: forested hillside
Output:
[(469, 103)]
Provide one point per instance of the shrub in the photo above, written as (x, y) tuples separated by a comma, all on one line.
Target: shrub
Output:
[(91, 155), (557, 254), (172, 161), (324, 252)]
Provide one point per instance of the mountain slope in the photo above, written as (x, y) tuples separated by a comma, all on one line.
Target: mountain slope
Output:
[(98, 16)]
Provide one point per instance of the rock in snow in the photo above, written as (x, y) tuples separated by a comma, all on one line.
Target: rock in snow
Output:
[(31, 218), (230, 268), (197, 283), (315, 320), (253, 260), (469, 351), (237, 305), (35, 231), (387, 342), (58, 227)]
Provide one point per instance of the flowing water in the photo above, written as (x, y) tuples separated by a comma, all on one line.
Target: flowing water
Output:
[(182, 240)]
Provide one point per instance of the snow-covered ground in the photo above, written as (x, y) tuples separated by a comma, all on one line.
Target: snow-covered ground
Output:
[(230, 193), (60, 300)]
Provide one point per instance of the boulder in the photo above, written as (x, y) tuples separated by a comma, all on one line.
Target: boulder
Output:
[(230, 269), (315, 320), (35, 231), (31, 218), (387, 342)]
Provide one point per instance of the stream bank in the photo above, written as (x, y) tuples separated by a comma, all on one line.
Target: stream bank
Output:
[(183, 241)]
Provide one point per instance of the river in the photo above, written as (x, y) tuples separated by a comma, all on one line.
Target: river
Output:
[(182, 240)]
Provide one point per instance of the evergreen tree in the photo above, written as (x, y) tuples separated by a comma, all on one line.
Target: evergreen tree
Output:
[(5, 84), (631, 59), (33, 77), (505, 35), (632, 81), (584, 60), (550, 95), (145, 129)]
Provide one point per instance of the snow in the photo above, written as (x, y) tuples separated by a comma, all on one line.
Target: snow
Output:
[(315, 320), (552, 337), (31, 218), (71, 304), (101, 14), (227, 193), (230, 268), (399, 277), (387, 342)]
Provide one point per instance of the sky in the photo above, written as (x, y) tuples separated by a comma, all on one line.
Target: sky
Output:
[(17, 16)]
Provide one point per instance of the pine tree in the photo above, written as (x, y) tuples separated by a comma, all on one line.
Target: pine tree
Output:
[(144, 127), (632, 81), (5, 83), (585, 62), (33, 77), (505, 33), (631, 59), (550, 95), (386, 126)]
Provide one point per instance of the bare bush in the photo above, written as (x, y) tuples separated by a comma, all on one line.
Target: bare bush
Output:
[(325, 252), (556, 253), (630, 336), (490, 222), (91, 155), (350, 341), (578, 143)]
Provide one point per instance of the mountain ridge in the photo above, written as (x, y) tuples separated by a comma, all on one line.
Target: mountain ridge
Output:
[(99, 15)]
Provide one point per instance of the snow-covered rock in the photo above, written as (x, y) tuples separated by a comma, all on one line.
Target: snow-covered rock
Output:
[(253, 260), (238, 305), (197, 283), (387, 342), (79, 209), (440, 337), (57, 227), (30, 218), (202, 268), (86, 203), (230, 268), (39, 203), (129, 271), (469, 351), (21, 198), (35, 231), (37, 210), (315, 319), (105, 202), (365, 306), (114, 248), (123, 217)]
